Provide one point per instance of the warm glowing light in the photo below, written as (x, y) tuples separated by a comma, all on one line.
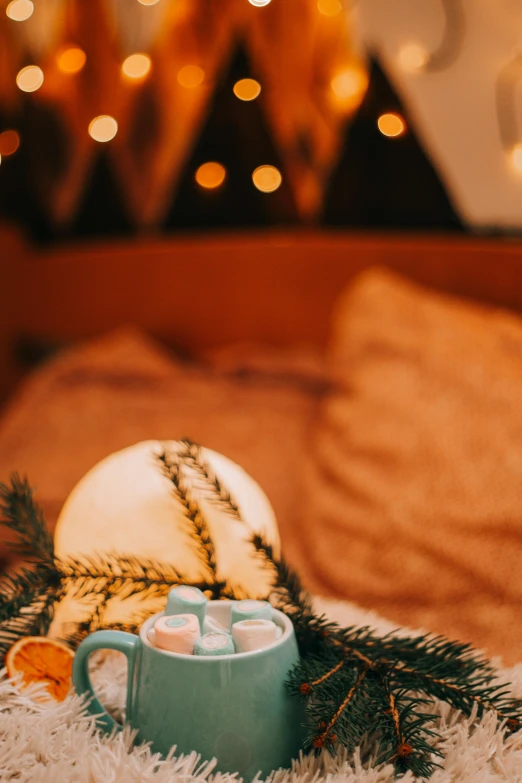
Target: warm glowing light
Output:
[(136, 66), (259, 3), (70, 59), (148, 2), (329, 7), (19, 10), (9, 142), (247, 89), (103, 128), (191, 76), (516, 157), (123, 489), (349, 85), (391, 124), (30, 78), (267, 178), (211, 175), (413, 57)]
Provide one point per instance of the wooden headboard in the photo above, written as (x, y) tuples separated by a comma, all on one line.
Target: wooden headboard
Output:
[(197, 292)]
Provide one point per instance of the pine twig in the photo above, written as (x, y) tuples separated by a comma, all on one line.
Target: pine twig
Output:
[(20, 513), (326, 735), (32, 620), (21, 589), (217, 492), (125, 576), (199, 529), (406, 738)]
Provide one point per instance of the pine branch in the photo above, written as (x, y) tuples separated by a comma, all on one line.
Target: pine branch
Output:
[(311, 629), (217, 492), (478, 692), (20, 513), (32, 620), (199, 529), (23, 588), (347, 674), (125, 576)]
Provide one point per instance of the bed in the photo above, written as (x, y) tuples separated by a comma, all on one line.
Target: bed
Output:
[(228, 339)]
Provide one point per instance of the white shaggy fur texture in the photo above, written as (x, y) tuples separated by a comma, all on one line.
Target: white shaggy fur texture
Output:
[(46, 742)]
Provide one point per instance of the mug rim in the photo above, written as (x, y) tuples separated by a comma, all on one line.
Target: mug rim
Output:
[(288, 630)]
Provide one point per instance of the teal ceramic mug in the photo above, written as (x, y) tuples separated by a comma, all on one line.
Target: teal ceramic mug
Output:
[(235, 708)]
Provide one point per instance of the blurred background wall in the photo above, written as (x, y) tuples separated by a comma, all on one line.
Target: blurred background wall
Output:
[(121, 117)]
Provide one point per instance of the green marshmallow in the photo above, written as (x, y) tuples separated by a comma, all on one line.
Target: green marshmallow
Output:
[(250, 610), (185, 599), (214, 643)]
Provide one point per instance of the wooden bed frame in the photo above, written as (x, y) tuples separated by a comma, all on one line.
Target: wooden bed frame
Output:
[(198, 292)]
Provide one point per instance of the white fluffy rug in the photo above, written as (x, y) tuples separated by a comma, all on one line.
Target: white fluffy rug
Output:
[(57, 743)]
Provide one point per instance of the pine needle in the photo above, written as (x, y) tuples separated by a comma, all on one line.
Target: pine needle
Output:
[(20, 513)]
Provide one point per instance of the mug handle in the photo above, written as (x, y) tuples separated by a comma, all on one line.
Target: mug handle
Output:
[(128, 644)]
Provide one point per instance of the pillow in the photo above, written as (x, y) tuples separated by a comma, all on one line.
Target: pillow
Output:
[(414, 494), (103, 395)]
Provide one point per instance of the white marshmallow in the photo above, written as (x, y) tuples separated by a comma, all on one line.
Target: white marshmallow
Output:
[(177, 633), (211, 625), (251, 635)]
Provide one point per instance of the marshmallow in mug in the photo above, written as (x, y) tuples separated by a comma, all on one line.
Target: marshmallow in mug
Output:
[(249, 635), (185, 599), (177, 633), (214, 643), (211, 625), (250, 609)]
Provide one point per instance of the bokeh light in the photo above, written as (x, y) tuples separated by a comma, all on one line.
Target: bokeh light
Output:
[(103, 128), (19, 10), (9, 142), (267, 178), (30, 78), (515, 156), (259, 3), (148, 2), (191, 76), (413, 57), (70, 59), (391, 124), (136, 66), (349, 85), (247, 89), (329, 7), (211, 175)]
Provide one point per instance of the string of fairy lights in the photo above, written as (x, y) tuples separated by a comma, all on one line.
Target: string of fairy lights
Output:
[(71, 59), (347, 87)]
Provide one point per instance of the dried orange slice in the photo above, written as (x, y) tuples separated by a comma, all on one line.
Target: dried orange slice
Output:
[(39, 659)]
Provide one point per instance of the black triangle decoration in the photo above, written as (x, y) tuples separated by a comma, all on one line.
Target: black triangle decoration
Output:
[(386, 182), (102, 210), (235, 135), (35, 162), (146, 124)]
